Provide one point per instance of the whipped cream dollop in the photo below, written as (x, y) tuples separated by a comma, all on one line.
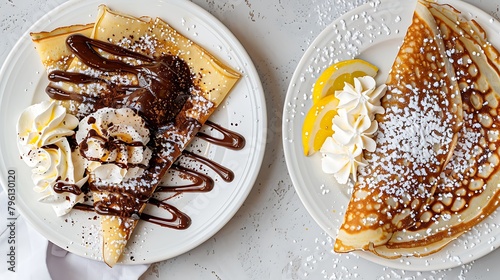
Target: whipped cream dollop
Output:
[(114, 142), (57, 171), (353, 128), (43, 124), (341, 160), (362, 98)]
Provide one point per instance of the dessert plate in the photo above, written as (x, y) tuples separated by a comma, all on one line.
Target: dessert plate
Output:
[(372, 32), (22, 83)]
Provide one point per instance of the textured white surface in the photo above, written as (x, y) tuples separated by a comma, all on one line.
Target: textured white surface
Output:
[(271, 236)]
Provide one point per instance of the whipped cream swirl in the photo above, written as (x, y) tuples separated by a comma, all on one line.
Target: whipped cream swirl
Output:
[(354, 127), (362, 98), (43, 124), (114, 142), (352, 130), (42, 132), (341, 160)]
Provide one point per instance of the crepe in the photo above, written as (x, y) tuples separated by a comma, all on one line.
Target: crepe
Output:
[(416, 138), (152, 40), (468, 189), (51, 46), (53, 52)]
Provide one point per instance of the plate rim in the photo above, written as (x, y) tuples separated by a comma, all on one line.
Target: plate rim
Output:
[(254, 85)]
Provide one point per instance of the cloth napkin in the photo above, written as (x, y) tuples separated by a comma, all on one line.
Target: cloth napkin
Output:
[(37, 258)]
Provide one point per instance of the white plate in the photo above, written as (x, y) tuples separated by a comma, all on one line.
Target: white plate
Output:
[(372, 32), (22, 82)]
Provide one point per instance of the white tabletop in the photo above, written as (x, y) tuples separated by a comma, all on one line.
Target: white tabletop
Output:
[(272, 236)]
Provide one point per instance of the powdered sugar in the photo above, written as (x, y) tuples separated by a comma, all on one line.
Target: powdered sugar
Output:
[(410, 134)]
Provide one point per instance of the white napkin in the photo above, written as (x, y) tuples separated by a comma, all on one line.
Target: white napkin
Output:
[(37, 258)]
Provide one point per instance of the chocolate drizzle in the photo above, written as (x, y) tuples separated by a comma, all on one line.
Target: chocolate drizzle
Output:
[(230, 139), (225, 173), (110, 145), (164, 86), (61, 187), (199, 182), (122, 204), (179, 220)]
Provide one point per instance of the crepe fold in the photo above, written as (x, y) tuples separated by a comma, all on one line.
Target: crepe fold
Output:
[(51, 46), (436, 170), (152, 39), (416, 139), (468, 189)]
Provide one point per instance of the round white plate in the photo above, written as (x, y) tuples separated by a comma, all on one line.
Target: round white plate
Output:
[(23, 80), (372, 32)]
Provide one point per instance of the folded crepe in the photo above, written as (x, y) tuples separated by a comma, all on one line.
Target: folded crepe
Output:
[(51, 46), (150, 40), (468, 188), (416, 139)]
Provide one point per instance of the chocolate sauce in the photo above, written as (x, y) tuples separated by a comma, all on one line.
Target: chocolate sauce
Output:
[(129, 199), (164, 86), (230, 139), (110, 145), (73, 77), (51, 146), (59, 94), (226, 174), (84, 207), (62, 186), (179, 220), (113, 96), (117, 204), (200, 182)]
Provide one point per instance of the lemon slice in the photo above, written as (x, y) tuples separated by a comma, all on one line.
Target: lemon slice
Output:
[(318, 124), (334, 77)]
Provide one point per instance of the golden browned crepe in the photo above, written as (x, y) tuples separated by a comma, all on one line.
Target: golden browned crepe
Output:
[(417, 136), (53, 52), (468, 189), (153, 38), (51, 46)]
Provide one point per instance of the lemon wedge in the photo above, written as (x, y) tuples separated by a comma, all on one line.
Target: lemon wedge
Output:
[(318, 124), (334, 77)]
